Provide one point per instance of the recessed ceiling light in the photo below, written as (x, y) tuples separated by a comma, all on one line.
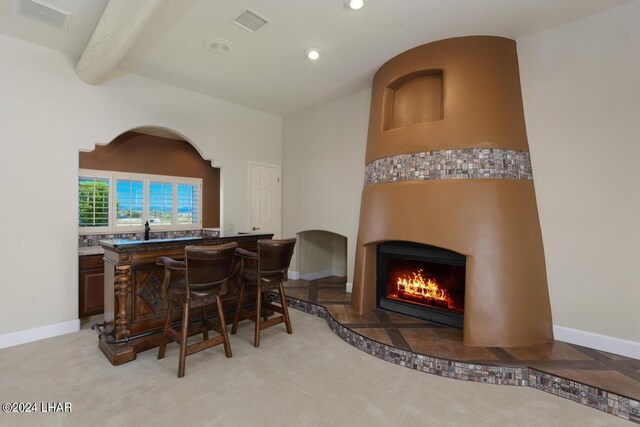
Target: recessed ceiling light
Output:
[(354, 4), (312, 53), (219, 46)]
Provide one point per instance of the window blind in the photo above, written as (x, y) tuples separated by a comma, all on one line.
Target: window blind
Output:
[(160, 203), (188, 203), (93, 202), (130, 200)]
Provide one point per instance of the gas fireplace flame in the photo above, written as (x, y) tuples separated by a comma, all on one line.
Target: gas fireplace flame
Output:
[(419, 285)]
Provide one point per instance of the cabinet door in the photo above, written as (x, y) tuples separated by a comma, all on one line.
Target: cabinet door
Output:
[(91, 292)]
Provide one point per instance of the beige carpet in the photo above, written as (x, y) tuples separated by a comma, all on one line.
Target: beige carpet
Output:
[(309, 378)]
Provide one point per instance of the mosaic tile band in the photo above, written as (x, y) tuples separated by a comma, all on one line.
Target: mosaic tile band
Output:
[(470, 163)]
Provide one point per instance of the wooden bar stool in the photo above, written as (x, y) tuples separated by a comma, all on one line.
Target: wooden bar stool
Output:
[(206, 270), (265, 270)]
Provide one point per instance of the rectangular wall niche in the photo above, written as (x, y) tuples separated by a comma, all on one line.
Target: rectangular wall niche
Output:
[(414, 98)]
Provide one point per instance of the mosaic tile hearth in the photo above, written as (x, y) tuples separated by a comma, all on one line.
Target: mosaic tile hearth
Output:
[(490, 373), (612, 403), (472, 163)]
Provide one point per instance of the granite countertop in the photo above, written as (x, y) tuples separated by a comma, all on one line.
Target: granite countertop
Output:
[(90, 250), (123, 244), (119, 242), (97, 246)]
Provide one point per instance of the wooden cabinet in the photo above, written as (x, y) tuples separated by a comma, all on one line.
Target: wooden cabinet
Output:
[(91, 285)]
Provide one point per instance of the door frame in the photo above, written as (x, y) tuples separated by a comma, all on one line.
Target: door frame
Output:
[(276, 233)]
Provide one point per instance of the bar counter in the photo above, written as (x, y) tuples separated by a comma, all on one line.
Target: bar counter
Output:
[(134, 308)]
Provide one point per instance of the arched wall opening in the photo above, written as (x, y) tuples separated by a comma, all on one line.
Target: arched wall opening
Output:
[(160, 151), (321, 254)]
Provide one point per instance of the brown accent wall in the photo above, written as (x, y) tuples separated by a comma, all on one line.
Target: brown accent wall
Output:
[(139, 153), (494, 222)]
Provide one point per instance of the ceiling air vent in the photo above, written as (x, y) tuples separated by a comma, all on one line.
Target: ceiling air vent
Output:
[(251, 21), (43, 12)]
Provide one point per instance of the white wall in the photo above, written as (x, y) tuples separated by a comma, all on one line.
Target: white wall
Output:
[(323, 169), (46, 116), (339, 252), (581, 88)]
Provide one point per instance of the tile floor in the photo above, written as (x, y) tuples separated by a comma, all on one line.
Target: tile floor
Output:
[(613, 373)]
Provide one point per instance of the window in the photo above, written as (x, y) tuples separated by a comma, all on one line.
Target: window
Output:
[(129, 202), (160, 203), (167, 202), (188, 199), (93, 202)]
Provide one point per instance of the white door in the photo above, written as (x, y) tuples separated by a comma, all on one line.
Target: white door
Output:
[(264, 193)]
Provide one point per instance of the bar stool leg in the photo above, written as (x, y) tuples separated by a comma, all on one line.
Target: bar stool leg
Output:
[(223, 329), (256, 338), (236, 317), (183, 339), (283, 302), (205, 327), (165, 330)]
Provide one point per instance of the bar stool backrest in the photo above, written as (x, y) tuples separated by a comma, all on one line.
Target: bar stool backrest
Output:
[(274, 257), (208, 265)]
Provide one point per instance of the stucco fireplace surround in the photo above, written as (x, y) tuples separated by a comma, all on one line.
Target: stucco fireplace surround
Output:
[(447, 165)]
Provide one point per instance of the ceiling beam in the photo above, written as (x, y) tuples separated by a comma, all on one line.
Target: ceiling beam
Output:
[(120, 25)]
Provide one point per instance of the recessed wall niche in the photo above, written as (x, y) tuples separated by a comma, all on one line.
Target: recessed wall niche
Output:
[(414, 98)]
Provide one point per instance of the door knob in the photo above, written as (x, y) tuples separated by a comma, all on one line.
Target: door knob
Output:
[(255, 228)]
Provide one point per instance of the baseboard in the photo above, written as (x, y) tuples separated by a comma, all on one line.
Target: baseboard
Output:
[(349, 287), (338, 272), (597, 341), (293, 275), (318, 275), (35, 334)]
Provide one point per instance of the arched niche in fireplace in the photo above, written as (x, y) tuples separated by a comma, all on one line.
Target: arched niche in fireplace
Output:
[(321, 254), (414, 98)]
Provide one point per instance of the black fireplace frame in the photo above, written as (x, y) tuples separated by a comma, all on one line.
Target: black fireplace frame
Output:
[(416, 252)]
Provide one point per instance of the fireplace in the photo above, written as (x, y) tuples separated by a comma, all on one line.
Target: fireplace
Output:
[(422, 281), (447, 164)]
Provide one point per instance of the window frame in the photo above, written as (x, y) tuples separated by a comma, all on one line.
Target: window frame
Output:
[(146, 179), (126, 176), (95, 174), (162, 180), (188, 181)]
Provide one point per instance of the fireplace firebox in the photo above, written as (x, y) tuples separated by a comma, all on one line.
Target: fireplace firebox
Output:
[(422, 281)]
